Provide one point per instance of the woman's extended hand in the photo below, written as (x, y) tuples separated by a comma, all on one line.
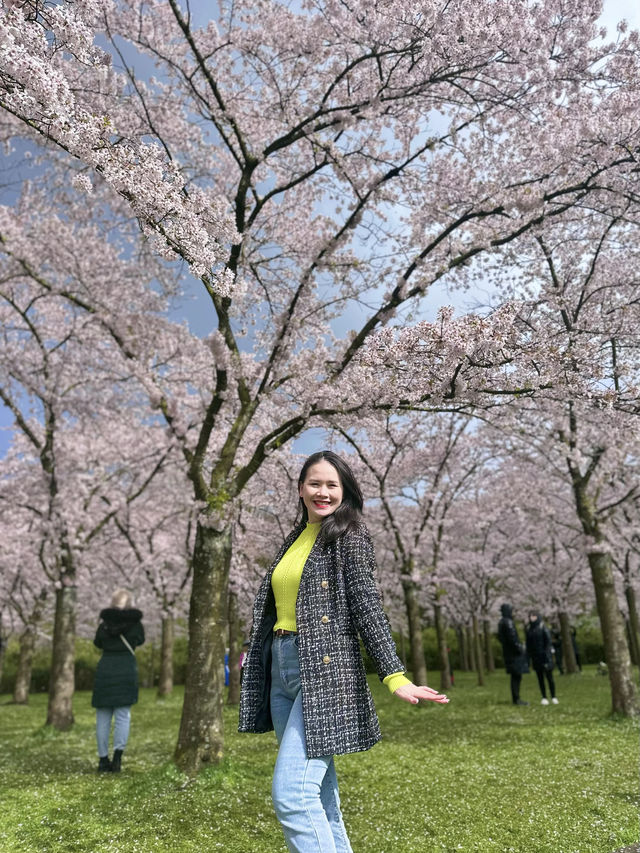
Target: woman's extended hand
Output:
[(412, 693)]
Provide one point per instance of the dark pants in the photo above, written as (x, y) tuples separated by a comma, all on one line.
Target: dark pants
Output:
[(516, 678), (552, 687)]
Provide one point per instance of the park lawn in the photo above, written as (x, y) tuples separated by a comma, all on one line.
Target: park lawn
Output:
[(478, 775)]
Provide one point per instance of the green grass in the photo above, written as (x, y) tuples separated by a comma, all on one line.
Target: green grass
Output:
[(478, 775)]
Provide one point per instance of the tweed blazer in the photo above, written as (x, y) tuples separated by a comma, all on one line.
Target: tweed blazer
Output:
[(338, 600)]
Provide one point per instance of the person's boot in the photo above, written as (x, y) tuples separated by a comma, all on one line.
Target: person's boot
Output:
[(104, 765), (117, 759)]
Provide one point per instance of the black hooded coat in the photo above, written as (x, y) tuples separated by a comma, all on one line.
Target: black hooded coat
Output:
[(539, 645), (116, 681), (513, 651)]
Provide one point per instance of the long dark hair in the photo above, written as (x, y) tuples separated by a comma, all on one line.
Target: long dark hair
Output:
[(348, 514)]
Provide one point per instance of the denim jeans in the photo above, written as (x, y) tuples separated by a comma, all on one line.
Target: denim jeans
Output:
[(305, 790), (120, 729)]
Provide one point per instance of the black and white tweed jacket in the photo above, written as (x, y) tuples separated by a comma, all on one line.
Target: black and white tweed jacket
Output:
[(338, 599)]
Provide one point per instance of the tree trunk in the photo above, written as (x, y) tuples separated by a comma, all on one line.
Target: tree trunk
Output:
[(477, 649), (634, 630), (165, 679), (462, 645), (3, 649), (624, 698), (201, 738), (403, 655), (630, 642), (471, 648), (61, 676), (27, 647), (443, 651), (488, 648), (414, 620), (25, 662), (235, 650), (569, 663)]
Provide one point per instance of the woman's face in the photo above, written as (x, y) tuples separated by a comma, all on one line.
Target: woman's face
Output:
[(321, 490)]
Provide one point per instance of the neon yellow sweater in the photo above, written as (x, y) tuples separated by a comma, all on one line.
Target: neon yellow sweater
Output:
[(285, 582)]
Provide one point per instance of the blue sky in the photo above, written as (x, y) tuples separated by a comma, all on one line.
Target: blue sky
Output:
[(196, 307)]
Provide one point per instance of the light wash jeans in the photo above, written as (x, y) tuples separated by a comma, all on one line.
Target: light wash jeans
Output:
[(305, 790), (120, 730)]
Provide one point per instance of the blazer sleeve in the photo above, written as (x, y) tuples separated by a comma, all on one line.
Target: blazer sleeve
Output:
[(365, 603)]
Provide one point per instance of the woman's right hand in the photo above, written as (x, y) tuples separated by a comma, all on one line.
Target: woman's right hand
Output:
[(413, 693)]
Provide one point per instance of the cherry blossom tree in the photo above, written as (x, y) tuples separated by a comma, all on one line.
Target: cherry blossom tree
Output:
[(419, 466), (318, 169), (24, 590), (81, 442), (583, 302), (625, 552), (155, 532)]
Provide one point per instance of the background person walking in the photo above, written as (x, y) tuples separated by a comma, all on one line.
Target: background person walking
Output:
[(115, 687), (539, 646), (513, 652), (304, 675)]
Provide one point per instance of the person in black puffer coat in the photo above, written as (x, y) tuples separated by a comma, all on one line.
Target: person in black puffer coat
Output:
[(539, 647), (513, 652), (115, 687)]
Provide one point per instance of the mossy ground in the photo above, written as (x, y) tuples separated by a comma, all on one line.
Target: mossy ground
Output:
[(478, 775)]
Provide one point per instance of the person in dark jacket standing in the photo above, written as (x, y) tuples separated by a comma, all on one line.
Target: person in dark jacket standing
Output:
[(115, 687), (303, 674), (513, 652), (539, 651)]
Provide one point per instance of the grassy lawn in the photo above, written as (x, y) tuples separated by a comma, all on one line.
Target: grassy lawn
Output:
[(478, 775)]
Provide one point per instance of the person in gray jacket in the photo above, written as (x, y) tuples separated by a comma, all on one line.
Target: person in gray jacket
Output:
[(303, 674)]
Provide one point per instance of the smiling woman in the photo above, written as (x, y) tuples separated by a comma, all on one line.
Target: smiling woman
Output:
[(321, 491), (303, 674)]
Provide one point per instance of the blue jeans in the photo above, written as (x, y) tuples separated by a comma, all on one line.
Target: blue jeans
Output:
[(120, 729), (304, 790)]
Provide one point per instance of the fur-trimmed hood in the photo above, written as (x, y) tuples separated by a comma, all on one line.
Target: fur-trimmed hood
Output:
[(117, 620)]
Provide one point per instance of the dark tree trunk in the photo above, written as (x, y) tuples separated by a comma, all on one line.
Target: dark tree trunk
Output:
[(632, 648), (471, 648), (443, 651), (462, 645), (402, 651), (62, 676), (3, 650), (165, 679), (488, 648), (201, 740), (235, 649), (25, 662), (569, 663), (414, 620), (477, 649), (624, 698), (27, 647), (634, 630)]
